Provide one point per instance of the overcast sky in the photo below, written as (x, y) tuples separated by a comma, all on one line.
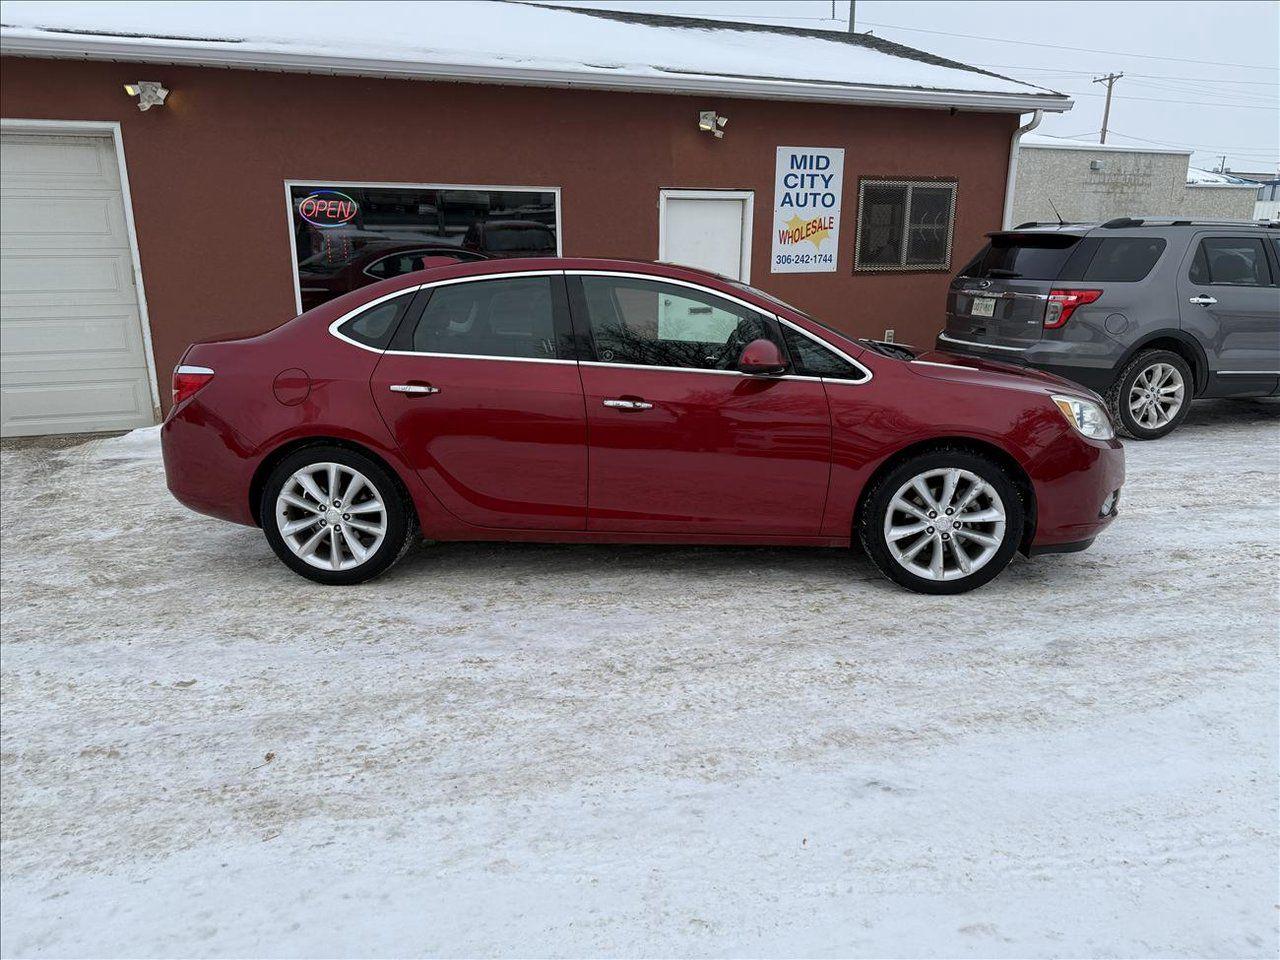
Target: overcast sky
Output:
[(1200, 74)]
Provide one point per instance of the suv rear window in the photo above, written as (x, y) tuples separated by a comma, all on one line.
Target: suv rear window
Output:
[(1023, 256), (1126, 259)]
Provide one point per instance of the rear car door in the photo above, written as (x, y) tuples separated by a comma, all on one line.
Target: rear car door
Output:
[(681, 442), (482, 394), (1229, 300)]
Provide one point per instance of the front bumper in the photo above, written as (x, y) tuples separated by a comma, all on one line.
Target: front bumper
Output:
[(1077, 486), (1061, 358)]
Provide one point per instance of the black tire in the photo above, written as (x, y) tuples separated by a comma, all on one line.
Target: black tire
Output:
[(401, 527), (1118, 395), (870, 522)]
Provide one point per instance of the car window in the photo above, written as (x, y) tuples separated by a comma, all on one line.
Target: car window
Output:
[(1028, 256), (812, 359), (1237, 261), (374, 326), (659, 324), (1124, 259), (490, 318), (520, 239), (397, 264)]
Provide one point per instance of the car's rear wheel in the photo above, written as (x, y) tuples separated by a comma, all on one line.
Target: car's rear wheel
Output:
[(335, 516), (942, 522), (1152, 395)]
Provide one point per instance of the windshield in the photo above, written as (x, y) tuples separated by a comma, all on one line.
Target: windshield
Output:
[(1026, 256)]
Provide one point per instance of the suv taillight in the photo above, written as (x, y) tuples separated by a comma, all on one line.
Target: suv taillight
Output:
[(187, 380), (1063, 303)]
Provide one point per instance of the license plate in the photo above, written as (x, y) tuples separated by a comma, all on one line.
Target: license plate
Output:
[(982, 307)]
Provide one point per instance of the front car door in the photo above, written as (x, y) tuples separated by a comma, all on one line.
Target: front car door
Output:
[(482, 394), (680, 441), (1229, 299)]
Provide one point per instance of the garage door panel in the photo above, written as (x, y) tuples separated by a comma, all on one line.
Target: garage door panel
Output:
[(65, 278), (79, 337), (72, 351), (90, 401), (43, 161), (95, 222)]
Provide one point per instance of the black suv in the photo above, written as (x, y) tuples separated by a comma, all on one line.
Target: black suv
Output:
[(1149, 313)]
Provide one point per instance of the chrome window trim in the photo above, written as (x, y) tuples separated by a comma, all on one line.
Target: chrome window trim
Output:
[(1248, 373), (982, 346), (732, 299), (1003, 294)]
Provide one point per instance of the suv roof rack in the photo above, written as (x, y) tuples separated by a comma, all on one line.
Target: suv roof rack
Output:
[(1051, 223), (1122, 222)]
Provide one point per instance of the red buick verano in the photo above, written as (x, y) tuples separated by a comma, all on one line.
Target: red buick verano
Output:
[(624, 402)]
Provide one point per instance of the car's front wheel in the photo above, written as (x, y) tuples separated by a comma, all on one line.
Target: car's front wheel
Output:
[(335, 516), (1152, 395), (942, 522)]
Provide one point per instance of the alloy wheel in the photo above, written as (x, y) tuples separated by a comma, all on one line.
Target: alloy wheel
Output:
[(331, 516), (944, 524), (1156, 396)]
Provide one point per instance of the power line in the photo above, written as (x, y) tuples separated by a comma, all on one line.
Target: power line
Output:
[(1185, 103), (1145, 76), (1056, 46)]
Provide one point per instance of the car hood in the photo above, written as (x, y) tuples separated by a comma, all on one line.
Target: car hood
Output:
[(940, 365)]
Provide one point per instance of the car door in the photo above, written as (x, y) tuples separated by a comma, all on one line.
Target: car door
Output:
[(1230, 301), (482, 394), (680, 441)]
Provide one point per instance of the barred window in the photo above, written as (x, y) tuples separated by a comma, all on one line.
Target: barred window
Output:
[(905, 224)]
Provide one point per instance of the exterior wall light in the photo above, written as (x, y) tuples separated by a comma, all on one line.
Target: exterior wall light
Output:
[(709, 122), (150, 93)]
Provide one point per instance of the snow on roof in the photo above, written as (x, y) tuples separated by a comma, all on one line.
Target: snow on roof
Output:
[(1208, 178), (520, 43), (1046, 142)]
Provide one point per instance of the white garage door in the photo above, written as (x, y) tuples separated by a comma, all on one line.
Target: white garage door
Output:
[(71, 350), (707, 229)]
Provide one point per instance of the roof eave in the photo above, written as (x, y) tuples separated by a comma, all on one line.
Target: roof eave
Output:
[(78, 47)]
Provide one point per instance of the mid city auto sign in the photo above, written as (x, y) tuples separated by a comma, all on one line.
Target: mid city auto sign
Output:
[(806, 209)]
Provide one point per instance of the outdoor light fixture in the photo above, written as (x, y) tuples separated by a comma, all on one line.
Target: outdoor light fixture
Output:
[(709, 122), (150, 93)]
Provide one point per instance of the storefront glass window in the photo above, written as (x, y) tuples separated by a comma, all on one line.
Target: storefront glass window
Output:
[(347, 237)]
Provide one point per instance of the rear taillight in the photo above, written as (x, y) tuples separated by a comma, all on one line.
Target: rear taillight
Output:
[(1063, 303), (187, 380)]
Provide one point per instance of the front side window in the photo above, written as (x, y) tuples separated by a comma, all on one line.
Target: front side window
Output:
[(812, 359), (651, 323), (1236, 261), (512, 318), (905, 224)]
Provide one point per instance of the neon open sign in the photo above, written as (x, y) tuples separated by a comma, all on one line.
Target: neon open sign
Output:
[(328, 208)]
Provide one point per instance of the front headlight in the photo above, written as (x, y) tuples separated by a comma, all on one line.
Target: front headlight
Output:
[(1087, 417)]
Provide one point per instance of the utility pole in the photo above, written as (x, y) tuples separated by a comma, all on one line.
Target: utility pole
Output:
[(852, 5), (1110, 80), (1222, 164)]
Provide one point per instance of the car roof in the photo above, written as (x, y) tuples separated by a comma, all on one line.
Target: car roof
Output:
[(1129, 223)]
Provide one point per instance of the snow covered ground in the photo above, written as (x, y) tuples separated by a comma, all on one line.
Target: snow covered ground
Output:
[(554, 750)]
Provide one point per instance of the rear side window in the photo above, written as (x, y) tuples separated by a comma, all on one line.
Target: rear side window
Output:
[(1023, 257), (1125, 259), (374, 326), (1238, 261), (814, 360), (490, 318)]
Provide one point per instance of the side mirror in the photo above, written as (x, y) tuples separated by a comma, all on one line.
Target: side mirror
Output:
[(762, 358)]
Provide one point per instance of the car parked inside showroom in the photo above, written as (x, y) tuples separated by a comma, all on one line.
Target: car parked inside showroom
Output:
[(578, 400), (1149, 313)]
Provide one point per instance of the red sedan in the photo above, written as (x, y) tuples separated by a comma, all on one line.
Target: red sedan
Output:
[(612, 401)]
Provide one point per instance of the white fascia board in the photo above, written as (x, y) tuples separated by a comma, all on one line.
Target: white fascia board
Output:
[(140, 50)]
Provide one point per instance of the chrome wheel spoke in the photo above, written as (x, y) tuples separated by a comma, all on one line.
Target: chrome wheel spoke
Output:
[(899, 533), (308, 484), (962, 558), (982, 538), (366, 527), (297, 526), (370, 506)]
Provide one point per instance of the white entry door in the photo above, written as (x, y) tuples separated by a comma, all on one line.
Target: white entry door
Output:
[(707, 229), (72, 354)]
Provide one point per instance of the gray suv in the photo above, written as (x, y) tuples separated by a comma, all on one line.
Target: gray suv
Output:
[(1148, 313)]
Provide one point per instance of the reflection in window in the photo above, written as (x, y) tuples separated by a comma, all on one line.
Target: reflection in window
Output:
[(812, 359), (1240, 261), (490, 318), (905, 225), (347, 237), (657, 324), (375, 326)]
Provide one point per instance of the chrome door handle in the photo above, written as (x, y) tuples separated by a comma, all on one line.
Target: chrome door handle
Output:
[(628, 404), (415, 388), (1203, 301)]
